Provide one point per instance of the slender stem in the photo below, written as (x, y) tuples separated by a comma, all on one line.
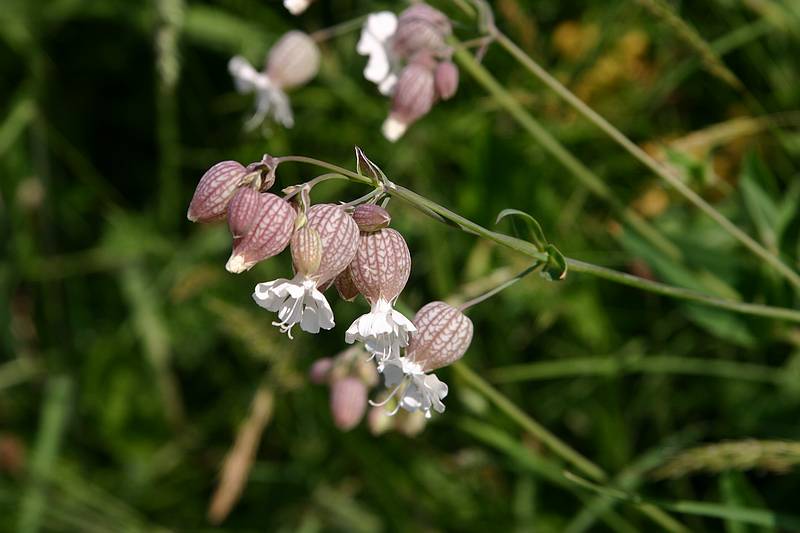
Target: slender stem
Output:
[(533, 427), (338, 29), (645, 364), (588, 178), (488, 294), (443, 214), (661, 170)]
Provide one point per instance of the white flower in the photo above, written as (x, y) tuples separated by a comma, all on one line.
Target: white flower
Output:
[(297, 301), (383, 331), (375, 42), (270, 99), (415, 390), (296, 7)]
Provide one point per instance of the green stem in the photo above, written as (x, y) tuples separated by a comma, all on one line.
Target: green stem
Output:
[(648, 364), (533, 427), (658, 168), (443, 214), (589, 179)]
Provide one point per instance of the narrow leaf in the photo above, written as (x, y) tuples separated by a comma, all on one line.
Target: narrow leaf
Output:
[(535, 233)]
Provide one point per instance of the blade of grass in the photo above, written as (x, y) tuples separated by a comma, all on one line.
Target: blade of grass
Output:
[(661, 170), (55, 409), (645, 364), (555, 444), (758, 517)]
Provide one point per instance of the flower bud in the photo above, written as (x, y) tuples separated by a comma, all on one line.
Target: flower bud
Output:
[(338, 233), (266, 171), (382, 265), (421, 27), (242, 211), (268, 235), (348, 402), (446, 79), (413, 98), (320, 371), (216, 187), (306, 247), (443, 336), (345, 286), (293, 60), (371, 217), (379, 421)]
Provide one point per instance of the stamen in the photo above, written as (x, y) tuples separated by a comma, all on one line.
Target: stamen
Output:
[(391, 395)]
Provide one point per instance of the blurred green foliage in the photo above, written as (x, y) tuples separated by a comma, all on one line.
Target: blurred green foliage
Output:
[(130, 357)]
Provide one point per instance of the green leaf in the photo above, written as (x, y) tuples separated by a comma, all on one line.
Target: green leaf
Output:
[(556, 267), (535, 233), (760, 207)]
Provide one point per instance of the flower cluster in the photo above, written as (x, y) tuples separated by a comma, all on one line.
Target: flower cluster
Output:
[(352, 248), (409, 59)]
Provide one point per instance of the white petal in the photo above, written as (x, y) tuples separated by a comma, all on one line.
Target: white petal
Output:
[(382, 25), (378, 66), (310, 320), (393, 129), (296, 7), (386, 87)]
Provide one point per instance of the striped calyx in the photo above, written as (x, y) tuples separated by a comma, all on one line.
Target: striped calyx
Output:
[(446, 79), (421, 28), (242, 211), (214, 191), (381, 266), (338, 233), (348, 402), (267, 236), (371, 217), (345, 286), (293, 60), (414, 96), (306, 247), (443, 336)]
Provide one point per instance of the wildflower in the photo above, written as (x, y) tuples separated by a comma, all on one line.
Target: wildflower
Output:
[(421, 28), (375, 42), (379, 271), (291, 62), (320, 250), (296, 7), (321, 370), (262, 227), (414, 96), (214, 191), (443, 336)]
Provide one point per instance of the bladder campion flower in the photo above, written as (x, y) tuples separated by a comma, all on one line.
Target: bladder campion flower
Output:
[(291, 62), (442, 337), (321, 249), (380, 271), (261, 226), (215, 190)]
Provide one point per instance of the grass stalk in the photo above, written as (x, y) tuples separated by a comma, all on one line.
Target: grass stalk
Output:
[(658, 168)]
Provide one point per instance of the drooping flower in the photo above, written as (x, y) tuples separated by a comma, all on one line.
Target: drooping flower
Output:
[(320, 250), (414, 96), (380, 271), (215, 190), (421, 28), (442, 337), (261, 224), (446, 79), (371, 217), (376, 42), (291, 62)]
